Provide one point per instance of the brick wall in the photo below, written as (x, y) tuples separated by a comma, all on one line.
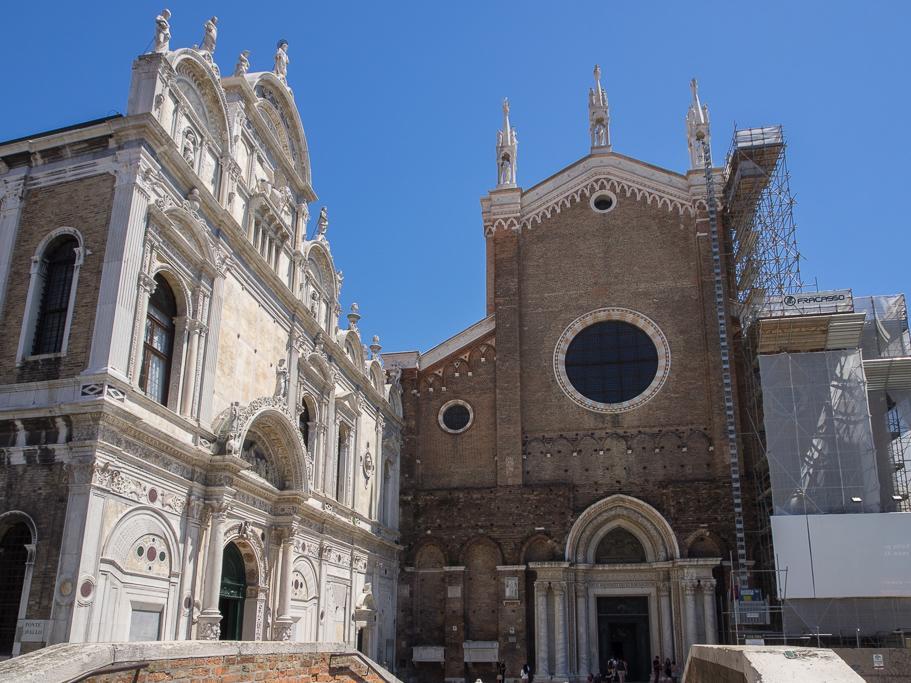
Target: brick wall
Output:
[(39, 489), (670, 452), (86, 206), (202, 661)]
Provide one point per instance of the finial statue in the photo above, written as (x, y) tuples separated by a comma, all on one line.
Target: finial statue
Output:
[(243, 63), (162, 31), (598, 114), (210, 34), (697, 128), (322, 224), (281, 61), (506, 150)]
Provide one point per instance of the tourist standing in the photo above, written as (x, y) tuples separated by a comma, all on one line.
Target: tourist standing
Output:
[(675, 671), (526, 673), (621, 669), (656, 669)]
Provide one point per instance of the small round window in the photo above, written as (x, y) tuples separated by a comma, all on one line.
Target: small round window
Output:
[(456, 417), (602, 202)]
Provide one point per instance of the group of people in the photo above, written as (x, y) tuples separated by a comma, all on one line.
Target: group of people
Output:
[(617, 669), (669, 671)]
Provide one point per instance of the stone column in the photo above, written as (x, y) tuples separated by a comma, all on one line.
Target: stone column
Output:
[(689, 611), (189, 369), (582, 628), (210, 618), (667, 621), (284, 625), (541, 635), (192, 520), (560, 644), (145, 290), (708, 603)]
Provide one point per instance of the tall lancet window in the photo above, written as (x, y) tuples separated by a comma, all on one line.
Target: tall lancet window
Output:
[(56, 270), (158, 346)]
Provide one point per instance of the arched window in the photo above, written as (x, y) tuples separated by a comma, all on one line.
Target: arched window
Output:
[(56, 281), (304, 424), (158, 342)]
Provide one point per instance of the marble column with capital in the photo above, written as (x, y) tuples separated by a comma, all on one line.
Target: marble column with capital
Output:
[(194, 327), (10, 211), (542, 639), (708, 604), (582, 628), (667, 620), (689, 610), (283, 628), (209, 627), (561, 669)]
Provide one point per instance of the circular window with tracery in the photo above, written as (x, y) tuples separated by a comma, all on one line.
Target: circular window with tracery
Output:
[(611, 360), (456, 416)]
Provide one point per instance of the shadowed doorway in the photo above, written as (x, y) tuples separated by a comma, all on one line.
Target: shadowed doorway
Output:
[(232, 594), (623, 631)]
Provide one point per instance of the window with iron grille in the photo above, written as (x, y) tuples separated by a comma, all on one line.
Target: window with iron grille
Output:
[(57, 266)]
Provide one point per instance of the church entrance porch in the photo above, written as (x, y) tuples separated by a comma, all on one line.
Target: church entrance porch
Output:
[(623, 633)]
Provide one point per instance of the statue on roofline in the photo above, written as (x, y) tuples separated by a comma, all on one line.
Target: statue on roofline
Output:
[(281, 61), (210, 35), (162, 31)]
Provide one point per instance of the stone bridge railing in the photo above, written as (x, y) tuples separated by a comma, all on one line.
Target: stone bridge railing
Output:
[(194, 659)]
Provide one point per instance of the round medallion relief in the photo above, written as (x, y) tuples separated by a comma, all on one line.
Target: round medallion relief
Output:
[(611, 360)]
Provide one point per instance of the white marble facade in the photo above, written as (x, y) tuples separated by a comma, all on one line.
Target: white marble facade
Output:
[(279, 430)]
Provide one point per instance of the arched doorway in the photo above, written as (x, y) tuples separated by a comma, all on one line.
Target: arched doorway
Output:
[(13, 559), (232, 593)]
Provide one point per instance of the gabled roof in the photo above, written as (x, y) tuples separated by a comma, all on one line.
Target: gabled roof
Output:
[(467, 337)]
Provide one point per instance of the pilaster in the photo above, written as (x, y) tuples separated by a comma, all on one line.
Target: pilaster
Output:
[(454, 622), (13, 192), (123, 253), (210, 619)]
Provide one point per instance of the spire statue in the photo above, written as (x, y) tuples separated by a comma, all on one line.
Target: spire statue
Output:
[(698, 134), (598, 114), (507, 147), (162, 32)]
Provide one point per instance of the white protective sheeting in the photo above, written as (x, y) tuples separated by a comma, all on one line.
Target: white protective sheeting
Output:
[(843, 556), (819, 439)]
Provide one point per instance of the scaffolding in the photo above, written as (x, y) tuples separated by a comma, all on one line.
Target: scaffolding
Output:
[(763, 263), (759, 216)]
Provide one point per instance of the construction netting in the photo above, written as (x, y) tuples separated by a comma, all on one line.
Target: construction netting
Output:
[(819, 441), (885, 332)]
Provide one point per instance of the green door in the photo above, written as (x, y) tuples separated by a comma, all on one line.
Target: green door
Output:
[(232, 594)]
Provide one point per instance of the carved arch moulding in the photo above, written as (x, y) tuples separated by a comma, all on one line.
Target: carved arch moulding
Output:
[(234, 422)]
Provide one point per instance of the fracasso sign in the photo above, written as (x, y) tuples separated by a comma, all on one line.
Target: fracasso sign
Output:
[(811, 303)]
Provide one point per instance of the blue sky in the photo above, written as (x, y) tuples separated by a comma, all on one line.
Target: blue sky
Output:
[(401, 103)]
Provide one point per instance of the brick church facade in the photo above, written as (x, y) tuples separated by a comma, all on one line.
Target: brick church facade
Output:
[(566, 492)]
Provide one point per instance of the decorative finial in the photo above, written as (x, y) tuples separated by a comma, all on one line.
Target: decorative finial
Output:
[(507, 146), (243, 63), (598, 114), (322, 223), (162, 32), (353, 316), (281, 61), (698, 135), (375, 347), (210, 34)]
